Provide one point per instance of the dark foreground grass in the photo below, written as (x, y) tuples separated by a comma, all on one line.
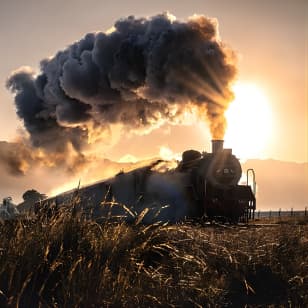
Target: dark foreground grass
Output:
[(70, 262)]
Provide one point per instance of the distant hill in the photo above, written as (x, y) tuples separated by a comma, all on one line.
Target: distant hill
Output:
[(280, 184)]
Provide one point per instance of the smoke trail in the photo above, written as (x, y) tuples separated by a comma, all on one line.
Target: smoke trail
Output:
[(16, 158), (147, 71)]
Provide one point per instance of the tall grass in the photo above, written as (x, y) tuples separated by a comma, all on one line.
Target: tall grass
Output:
[(67, 261)]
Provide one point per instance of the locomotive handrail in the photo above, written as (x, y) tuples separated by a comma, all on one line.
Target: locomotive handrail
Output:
[(254, 184), (254, 188)]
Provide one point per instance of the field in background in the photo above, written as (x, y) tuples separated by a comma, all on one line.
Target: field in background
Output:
[(281, 214), (65, 261)]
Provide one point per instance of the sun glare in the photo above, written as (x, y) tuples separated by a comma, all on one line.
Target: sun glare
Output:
[(249, 122), (64, 187)]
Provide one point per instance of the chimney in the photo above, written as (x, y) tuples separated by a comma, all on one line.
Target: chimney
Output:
[(217, 146)]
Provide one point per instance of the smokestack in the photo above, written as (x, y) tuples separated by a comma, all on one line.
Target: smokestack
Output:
[(217, 146)]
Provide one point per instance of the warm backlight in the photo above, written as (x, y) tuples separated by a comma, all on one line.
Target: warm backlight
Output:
[(249, 122)]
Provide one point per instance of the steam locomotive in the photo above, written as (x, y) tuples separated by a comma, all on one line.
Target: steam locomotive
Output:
[(201, 185)]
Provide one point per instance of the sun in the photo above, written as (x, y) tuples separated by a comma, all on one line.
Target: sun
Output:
[(249, 122)]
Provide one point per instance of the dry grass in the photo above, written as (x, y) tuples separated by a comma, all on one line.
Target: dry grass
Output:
[(66, 261)]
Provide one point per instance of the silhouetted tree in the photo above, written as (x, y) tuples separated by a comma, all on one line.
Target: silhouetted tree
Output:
[(33, 195), (30, 197)]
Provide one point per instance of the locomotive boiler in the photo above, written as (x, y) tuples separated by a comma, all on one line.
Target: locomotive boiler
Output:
[(201, 185)]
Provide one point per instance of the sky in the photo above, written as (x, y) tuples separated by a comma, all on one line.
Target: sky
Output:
[(269, 38)]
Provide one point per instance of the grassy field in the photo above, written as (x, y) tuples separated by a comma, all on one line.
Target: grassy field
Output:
[(66, 261)]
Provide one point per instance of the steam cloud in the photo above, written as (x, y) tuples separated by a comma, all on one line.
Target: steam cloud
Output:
[(14, 157), (143, 73)]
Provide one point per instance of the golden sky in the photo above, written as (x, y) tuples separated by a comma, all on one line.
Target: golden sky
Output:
[(270, 38)]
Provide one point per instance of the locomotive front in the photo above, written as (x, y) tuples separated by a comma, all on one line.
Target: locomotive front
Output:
[(223, 197)]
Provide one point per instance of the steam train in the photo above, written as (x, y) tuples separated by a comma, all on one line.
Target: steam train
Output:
[(201, 185)]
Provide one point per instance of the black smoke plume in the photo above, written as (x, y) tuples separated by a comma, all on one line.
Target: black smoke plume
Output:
[(144, 72)]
